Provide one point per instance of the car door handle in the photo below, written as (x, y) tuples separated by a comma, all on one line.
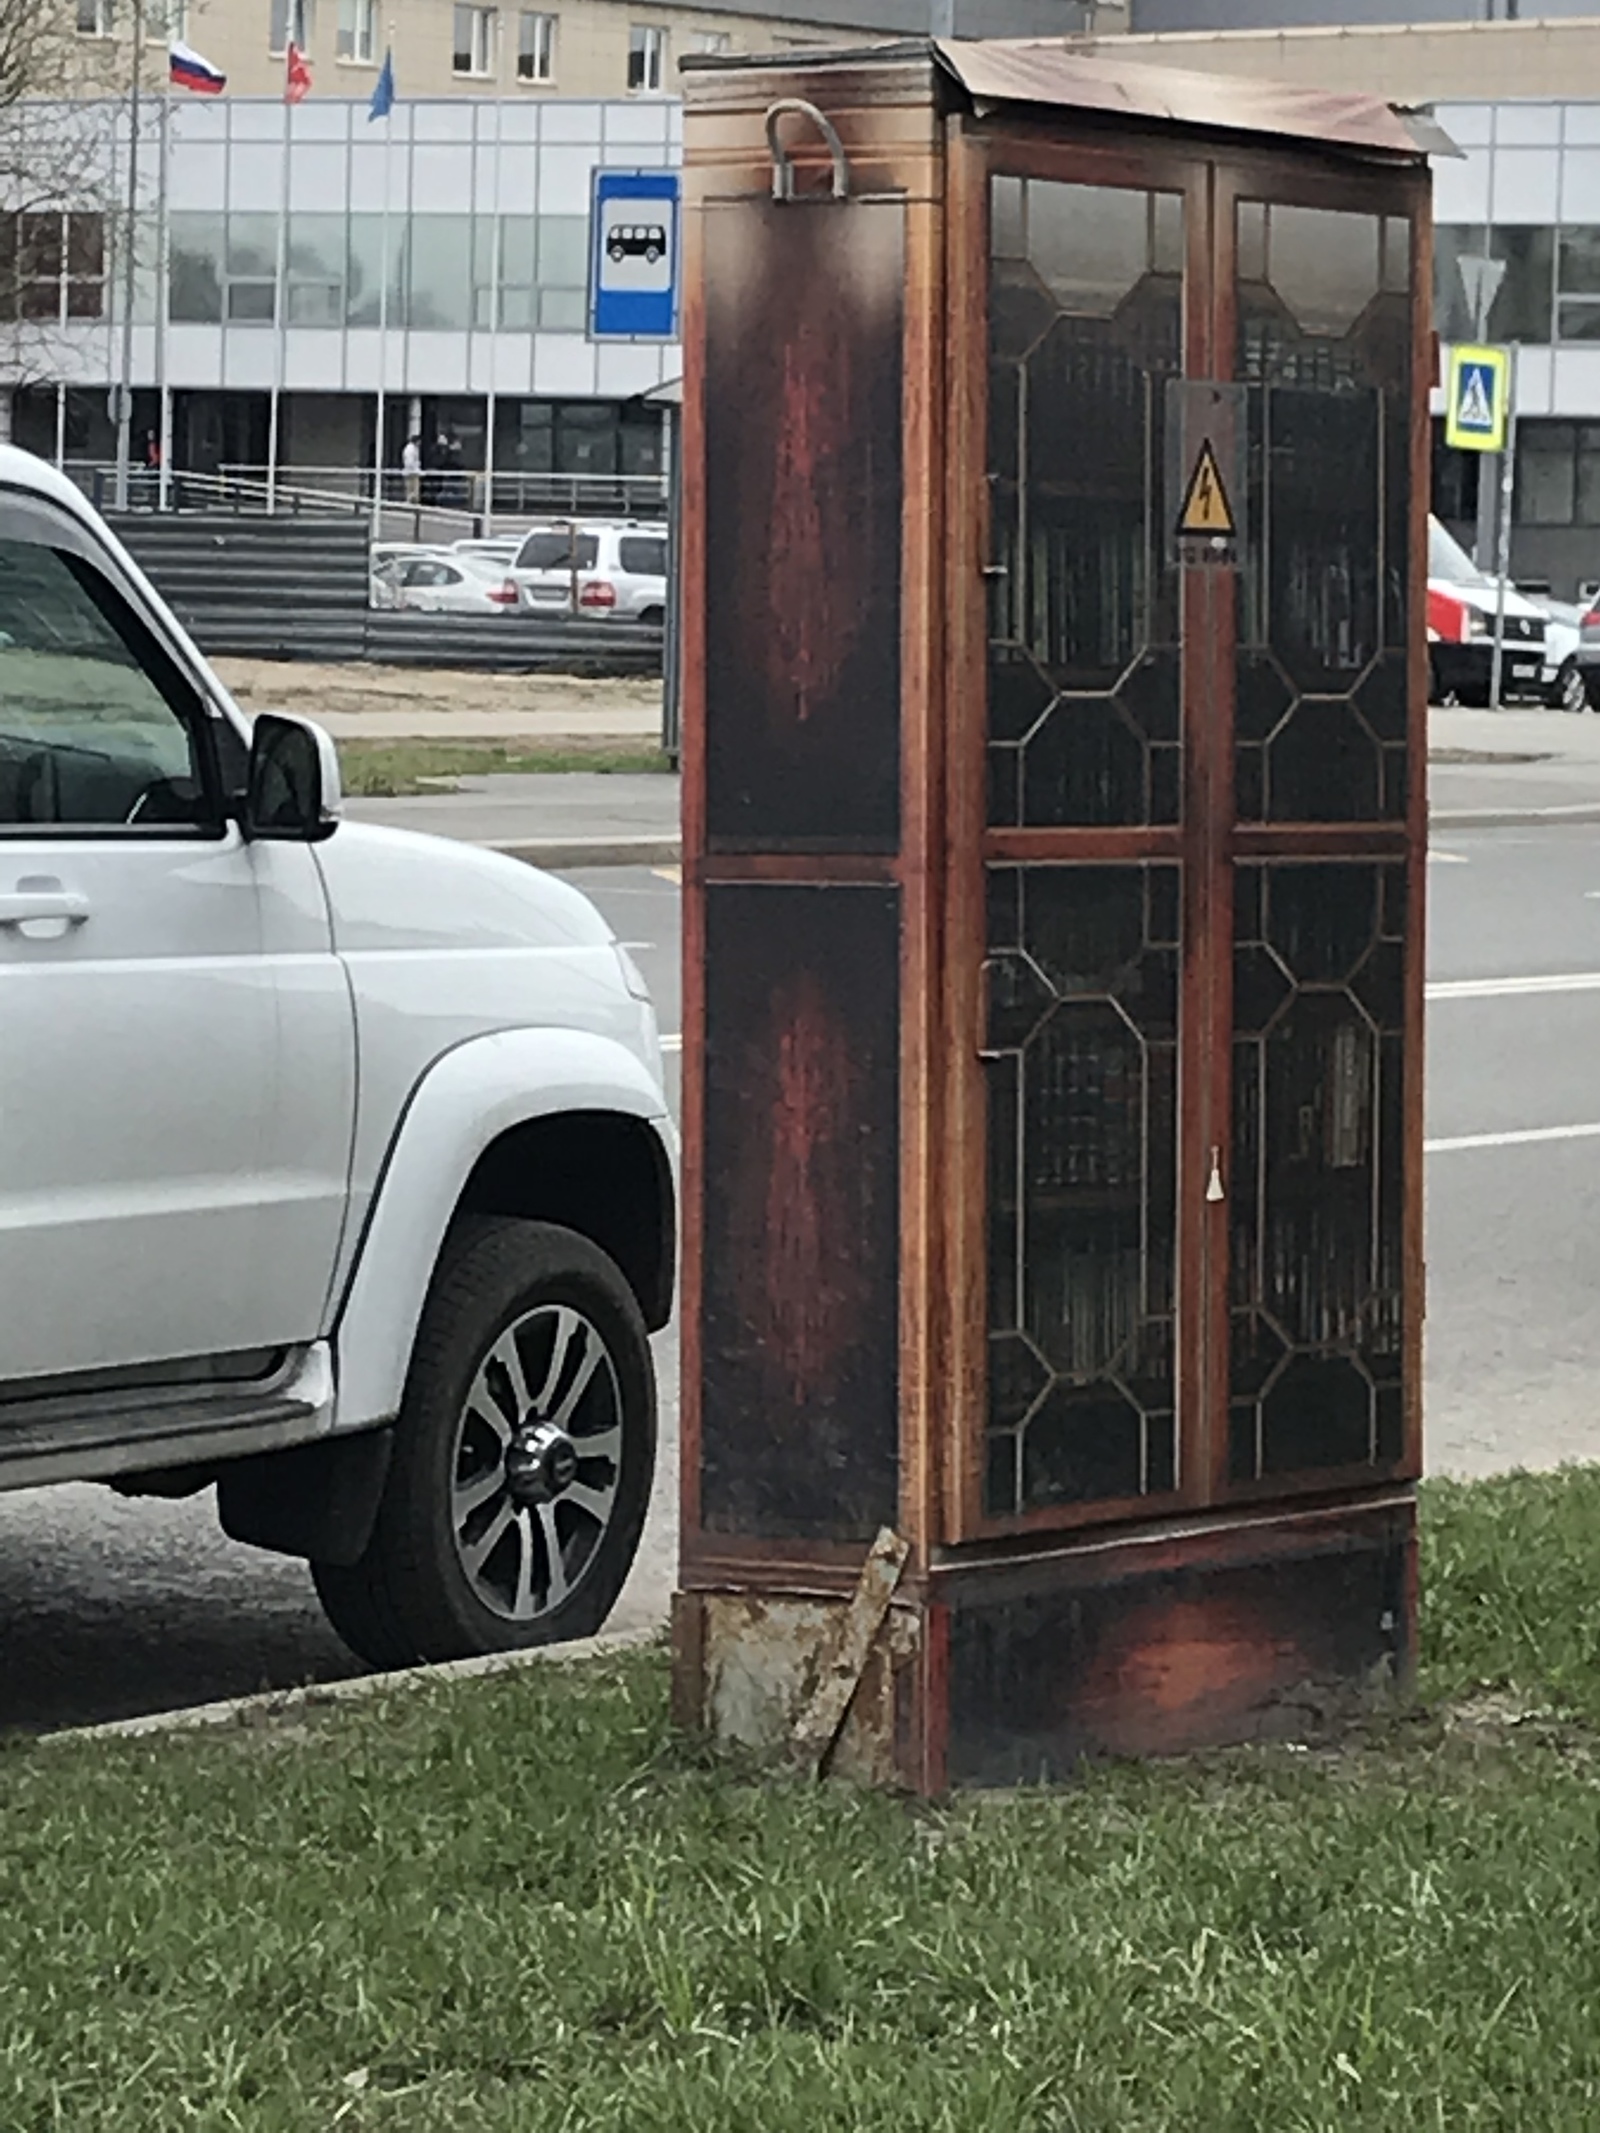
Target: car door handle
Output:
[(42, 900)]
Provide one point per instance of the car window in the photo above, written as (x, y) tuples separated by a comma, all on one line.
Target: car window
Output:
[(88, 737), (554, 551), (643, 557), (1448, 561)]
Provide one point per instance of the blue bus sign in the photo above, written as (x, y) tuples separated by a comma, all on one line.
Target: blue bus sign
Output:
[(633, 256)]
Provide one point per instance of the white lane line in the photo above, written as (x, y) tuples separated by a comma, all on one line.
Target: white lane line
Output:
[(1448, 859), (1505, 988), (1520, 1139), (672, 1041)]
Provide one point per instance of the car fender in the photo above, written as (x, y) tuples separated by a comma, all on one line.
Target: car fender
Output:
[(467, 1098)]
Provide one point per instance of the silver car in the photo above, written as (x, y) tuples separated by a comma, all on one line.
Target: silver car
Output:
[(594, 568), (447, 584)]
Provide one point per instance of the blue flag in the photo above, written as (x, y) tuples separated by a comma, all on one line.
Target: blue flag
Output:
[(383, 95)]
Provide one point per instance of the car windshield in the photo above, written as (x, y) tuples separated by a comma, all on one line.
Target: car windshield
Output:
[(1448, 560), (554, 551)]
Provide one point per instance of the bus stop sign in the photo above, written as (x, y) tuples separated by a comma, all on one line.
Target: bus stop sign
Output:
[(633, 256)]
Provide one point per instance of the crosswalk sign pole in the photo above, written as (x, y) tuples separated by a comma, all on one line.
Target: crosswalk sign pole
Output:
[(1508, 476)]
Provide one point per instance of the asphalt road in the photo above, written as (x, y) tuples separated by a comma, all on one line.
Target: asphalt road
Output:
[(110, 1607)]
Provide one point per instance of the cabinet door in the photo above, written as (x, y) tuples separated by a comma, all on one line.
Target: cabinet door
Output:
[(1322, 865), (1085, 837), (1200, 833)]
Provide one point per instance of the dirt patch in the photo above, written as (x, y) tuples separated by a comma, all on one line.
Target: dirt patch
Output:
[(1457, 756), (316, 691)]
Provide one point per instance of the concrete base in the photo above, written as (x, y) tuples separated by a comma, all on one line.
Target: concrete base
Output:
[(1014, 1665)]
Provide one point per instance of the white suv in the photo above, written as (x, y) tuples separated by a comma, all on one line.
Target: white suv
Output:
[(594, 567), (336, 1172)]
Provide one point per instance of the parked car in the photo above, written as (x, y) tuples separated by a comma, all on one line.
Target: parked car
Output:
[(1587, 651), (338, 1172), (501, 549), (594, 568), (1461, 618), (1562, 676), (449, 584)]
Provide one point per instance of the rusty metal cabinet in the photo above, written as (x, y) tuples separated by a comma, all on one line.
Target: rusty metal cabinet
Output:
[(1054, 697)]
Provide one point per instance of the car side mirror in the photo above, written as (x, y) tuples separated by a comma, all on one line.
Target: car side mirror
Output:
[(292, 790)]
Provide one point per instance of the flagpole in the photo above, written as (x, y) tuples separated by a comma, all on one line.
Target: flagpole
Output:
[(383, 306), (125, 385), (163, 281), (280, 286)]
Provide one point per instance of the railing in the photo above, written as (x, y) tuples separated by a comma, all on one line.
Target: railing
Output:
[(439, 504)]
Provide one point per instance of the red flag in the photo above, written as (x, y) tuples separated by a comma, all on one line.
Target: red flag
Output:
[(297, 76)]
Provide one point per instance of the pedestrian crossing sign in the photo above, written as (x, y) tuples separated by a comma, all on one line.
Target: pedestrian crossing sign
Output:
[(1477, 393)]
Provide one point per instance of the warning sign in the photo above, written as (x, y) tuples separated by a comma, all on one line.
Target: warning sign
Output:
[(1205, 499), (1206, 512), (1477, 399)]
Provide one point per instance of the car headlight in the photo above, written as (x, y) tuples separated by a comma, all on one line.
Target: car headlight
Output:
[(1479, 624)]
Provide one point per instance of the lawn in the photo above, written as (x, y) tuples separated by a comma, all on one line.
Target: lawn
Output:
[(382, 769), (522, 1903)]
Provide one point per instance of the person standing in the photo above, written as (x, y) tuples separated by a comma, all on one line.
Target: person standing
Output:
[(411, 468)]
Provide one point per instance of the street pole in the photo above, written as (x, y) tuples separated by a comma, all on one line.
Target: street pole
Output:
[(383, 316), (163, 277), (1508, 464), (125, 383), (1484, 541), (280, 288)]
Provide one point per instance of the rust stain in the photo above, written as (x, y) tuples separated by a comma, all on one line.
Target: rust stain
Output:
[(1174, 1672), (809, 1186)]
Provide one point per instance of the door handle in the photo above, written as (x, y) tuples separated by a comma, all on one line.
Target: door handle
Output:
[(42, 898)]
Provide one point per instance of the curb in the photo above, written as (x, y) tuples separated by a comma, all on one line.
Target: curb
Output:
[(594, 851), (277, 1703), (1469, 818)]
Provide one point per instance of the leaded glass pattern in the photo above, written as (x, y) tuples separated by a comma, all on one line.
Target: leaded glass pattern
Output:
[(1324, 348), (1316, 1186), (1082, 974), (1085, 325)]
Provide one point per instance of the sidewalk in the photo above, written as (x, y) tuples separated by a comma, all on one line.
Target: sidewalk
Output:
[(569, 819), (1530, 767)]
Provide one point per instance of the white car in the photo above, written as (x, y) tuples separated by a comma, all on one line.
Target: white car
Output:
[(337, 1170), (448, 585), (599, 567), (1462, 603)]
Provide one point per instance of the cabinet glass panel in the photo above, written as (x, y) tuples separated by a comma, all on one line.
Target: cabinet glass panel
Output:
[(1324, 347), (1082, 1073), (1316, 1203), (1085, 325)]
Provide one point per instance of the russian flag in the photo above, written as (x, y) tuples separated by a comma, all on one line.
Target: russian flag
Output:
[(189, 71)]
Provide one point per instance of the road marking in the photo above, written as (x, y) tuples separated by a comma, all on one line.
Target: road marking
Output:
[(1522, 1139), (1504, 988), (668, 874), (1448, 859), (672, 1041)]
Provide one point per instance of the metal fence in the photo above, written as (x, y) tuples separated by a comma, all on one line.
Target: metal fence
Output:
[(438, 505), (286, 588)]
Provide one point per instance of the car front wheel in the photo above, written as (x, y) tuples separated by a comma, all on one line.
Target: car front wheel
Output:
[(522, 1459), (1568, 691)]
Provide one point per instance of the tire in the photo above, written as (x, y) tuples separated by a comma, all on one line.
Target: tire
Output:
[(432, 1584), (1591, 685), (654, 615), (1568, 692)]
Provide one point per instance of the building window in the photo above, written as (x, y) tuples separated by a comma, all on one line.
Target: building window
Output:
[(1523, 303), (95, 18), (52, 266), (474, 43), (536, 48), (647, 57), (290, 20), (1558, 473), (358, 30), (710, 41)]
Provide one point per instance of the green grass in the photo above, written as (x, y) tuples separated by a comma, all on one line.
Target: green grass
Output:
[(523, 1903), (381, 769)]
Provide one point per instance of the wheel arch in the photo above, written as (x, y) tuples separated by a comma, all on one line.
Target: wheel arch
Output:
[(505, 1125)]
